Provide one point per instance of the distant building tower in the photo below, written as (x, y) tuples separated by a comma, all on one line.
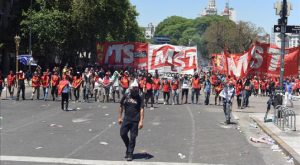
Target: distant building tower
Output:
[(211, 9), (229, 12), (149, 31)]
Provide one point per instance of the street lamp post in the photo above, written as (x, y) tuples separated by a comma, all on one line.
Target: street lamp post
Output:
[(17, 41)]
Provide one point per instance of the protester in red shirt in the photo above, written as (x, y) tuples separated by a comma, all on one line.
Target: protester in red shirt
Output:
[(156, 87), (11, 80), (149, 91), (255, 83), (238, 92), (166, 87), (45, 83), (54, 83), (36, 82), (175, 89), (263, 87), (124, 81), (218, 89)]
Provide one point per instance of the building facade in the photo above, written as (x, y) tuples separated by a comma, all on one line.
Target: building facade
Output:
[(211, 9)]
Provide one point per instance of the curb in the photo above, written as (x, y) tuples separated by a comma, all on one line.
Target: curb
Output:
[(285, 147)]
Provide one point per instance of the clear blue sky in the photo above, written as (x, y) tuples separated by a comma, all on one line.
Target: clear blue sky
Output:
[(259, 12)]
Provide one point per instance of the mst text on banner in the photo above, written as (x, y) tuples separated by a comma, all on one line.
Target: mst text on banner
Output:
[(170, 58), (123, 54), (260, 60)]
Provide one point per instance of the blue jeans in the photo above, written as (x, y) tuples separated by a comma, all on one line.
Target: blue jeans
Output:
[(246, 96), (207, 95), (227, 109), (195, 92), (175, 96)]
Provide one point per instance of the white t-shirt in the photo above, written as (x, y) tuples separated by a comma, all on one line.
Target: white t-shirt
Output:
[(185, 84)]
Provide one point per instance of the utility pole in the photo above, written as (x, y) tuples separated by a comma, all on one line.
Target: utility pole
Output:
[(283, 23)]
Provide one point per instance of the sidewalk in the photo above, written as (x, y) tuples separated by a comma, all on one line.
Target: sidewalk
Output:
[(288, 140)]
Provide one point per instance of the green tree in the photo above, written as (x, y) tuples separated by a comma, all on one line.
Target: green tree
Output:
[(49, 28), (64, 28), (211, 34)]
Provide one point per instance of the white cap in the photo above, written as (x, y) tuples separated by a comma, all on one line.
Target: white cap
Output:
[(134, 84)]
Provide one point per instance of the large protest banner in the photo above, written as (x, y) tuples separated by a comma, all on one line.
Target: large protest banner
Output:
[(170, 58), (260, 60), (123, 54), (266, 60)]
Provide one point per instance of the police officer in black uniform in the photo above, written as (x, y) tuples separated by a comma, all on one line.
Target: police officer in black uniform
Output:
[(133, 106)]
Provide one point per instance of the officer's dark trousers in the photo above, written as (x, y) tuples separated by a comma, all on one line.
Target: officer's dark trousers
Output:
[(129, 142), (54, 92), (64, 98)]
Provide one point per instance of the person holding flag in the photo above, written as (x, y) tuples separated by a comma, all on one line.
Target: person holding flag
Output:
[(63, 90), (21, 85)]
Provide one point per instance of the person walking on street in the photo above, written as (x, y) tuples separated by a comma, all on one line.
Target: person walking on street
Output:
[(218, 89), (239, 93), (228, 94), (156, 87), (45, 83), (175, 90), (63, 90), (124, 81), (97, 87), (288, 93), (77, 80), (185, 89), (54, 83), (86, 77), (115, 86), (246, 93), (133, 107), (106, 86), (207, 90), (36, 82), (21, 85), (166, 87), (11, 82), (196, 87), (149, 91)]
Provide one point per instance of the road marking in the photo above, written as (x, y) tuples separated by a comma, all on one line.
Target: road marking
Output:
[(191, 154), (83, 161), (32, 122), (86, 143)]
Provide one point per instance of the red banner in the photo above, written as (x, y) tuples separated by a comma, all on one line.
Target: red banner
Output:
[(266, 60), (170, 58), (260, 60), (121, 54)]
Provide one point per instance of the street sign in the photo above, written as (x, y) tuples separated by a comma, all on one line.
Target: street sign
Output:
[(277, 28), (293, 29), (289, 29)]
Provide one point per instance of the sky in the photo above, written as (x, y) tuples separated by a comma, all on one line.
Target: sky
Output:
[(259, 12)]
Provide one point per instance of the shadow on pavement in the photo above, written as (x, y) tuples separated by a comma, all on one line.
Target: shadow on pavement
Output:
[(142, 156)]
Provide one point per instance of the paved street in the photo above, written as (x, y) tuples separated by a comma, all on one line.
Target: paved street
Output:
[(39, 132)]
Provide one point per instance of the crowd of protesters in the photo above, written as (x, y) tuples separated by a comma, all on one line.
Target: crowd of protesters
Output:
[(105, 86)]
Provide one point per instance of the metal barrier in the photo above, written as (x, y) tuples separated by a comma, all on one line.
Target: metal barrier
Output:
[(284, 118)]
